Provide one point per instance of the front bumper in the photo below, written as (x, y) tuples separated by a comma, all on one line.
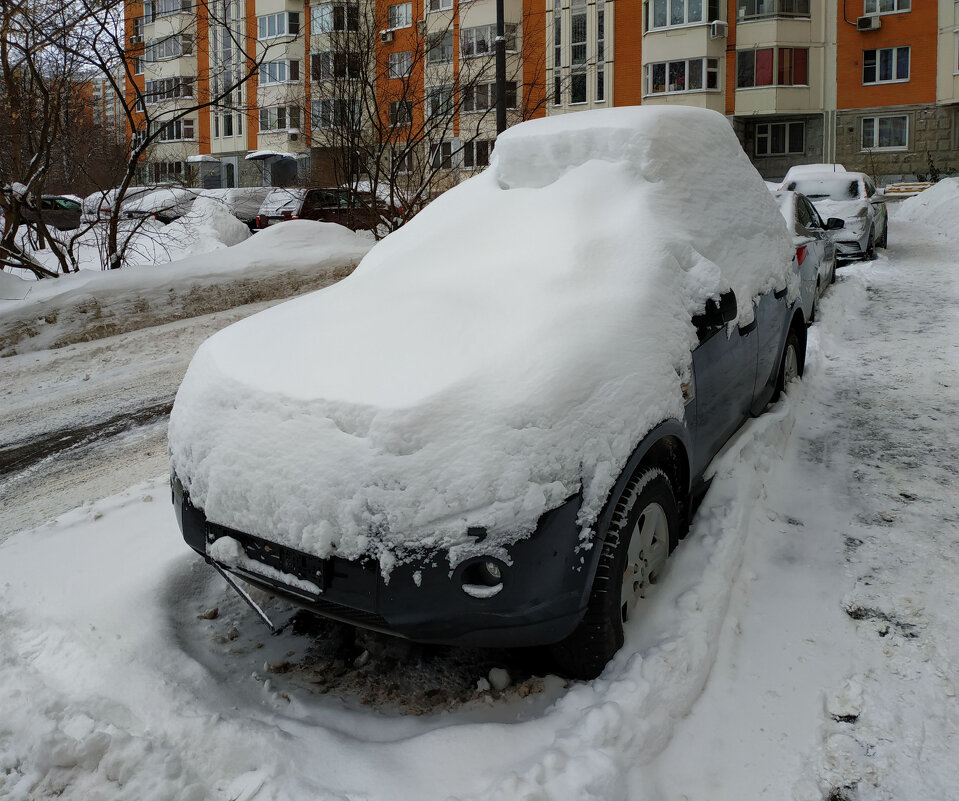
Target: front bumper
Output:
[(544, 594)]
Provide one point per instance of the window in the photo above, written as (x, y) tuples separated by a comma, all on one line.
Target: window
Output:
[(167, 89), (401, 113), (138, 26), (335, 113), (138, 65), (439, 47), (162, 172), (400, 63), (557, 53), (335, 17), (476, 154), (169, 47), (692, 75), (482, 96), (286, 23), (885, 6), (279, 118), (161, 8), (481, 40), (279, 72), (174, 131), (441, 155), (885, 133), (666, 13), (780, 138), (329, 65), (400, 15), (228, 125), (756, 9), (439, 100), (402, 161), (600, 51), (887, 65), (440, 5), (768, 66)]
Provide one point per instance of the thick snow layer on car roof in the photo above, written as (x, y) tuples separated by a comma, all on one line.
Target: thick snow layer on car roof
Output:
[(508, 347)]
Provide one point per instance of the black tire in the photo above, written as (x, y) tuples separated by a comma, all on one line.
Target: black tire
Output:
[(790, 366), (815, 305), (884, 242), (870, 254), (647, 505)]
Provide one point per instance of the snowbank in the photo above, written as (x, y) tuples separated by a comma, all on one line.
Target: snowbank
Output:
[(91, 304), (937, 206), (453, 386), (208, 226)]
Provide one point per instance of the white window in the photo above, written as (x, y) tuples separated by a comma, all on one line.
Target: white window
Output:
[(329, 65), (175, 131), (666, 13), (441, 155), (401, 113), (780, 138), (279, 118), (138, 65), (482, 96), (161, 8), (885, 133), (885, 6), (691, 75), (481, 40), (476, 154), (886, 65), (283, 71), (335, 17), (335, 113), (440, 47), (439, 100), (168, 47), (167, 89), (759, 9), (440, 5), (286, 23), (400, 15), (400, 64), (600, 51)]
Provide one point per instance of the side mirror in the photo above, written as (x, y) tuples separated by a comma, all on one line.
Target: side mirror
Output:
[(835, 223), (717, 313)]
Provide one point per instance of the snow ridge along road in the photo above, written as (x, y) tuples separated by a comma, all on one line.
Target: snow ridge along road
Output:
[(803, 643)]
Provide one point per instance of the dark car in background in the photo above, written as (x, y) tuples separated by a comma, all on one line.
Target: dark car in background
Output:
[(334, 205), (56, 211)]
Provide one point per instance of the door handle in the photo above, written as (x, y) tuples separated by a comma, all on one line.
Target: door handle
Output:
[(779, 294), (745, 329)]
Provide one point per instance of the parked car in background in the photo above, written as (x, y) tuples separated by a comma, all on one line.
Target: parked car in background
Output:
[(495, 439), (798, 170), (853, 197), (165, 205), (816, 253), (335, 205), (242, 202), (98, 206), (56, 211)]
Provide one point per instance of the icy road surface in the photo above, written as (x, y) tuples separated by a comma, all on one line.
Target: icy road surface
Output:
[(803, 643)]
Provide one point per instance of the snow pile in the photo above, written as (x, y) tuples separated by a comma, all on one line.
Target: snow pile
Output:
[(443, 387), (91, 304), (208, 226), (937, 206), (13, 288)]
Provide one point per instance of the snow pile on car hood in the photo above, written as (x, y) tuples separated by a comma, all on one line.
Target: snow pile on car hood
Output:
[(508, 347), (937, 206)]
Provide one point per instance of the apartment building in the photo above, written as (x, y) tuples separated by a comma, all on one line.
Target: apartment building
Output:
[(871, 83)]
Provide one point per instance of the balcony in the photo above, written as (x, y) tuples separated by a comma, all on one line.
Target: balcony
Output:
[(749, 10)]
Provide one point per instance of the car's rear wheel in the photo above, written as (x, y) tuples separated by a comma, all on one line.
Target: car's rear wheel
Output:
[(643, 530), (791, 366)]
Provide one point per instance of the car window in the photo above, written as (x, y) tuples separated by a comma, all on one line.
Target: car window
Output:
[(835, 187), (804, 213)]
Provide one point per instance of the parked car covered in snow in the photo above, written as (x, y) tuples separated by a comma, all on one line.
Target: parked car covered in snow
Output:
[(815, 251), (242, 202), (497, 440), (853, 197), (56, 211), (334, 204), (98, 206), (165, 205), (798, 170)]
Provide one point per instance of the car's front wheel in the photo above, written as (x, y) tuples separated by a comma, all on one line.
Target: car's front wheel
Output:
[(643, 530), (870, 253)]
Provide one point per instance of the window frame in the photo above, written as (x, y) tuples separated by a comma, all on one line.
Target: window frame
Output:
[(706, 72), (743, 14), (291, 20), (878, 12), (436, 43), (776, 66), (711, 10), (876, 65), (469, 40), (768, 136), (400, 68), (468, 104), (875, 119), (435, 6), (291, 118), (407, 16)]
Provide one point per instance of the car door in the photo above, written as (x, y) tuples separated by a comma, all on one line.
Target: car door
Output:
[(819, 247), (724, 371)]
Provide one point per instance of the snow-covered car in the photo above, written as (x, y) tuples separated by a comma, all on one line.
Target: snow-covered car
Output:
[(98, 207), (242, 202), (798, 170), (852, 197), (165, 205), (815, 251), (498, 444), (334, 204), (56, 211)]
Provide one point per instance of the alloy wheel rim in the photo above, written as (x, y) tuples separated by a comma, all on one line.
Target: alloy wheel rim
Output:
[(645, 557), (791, 367)]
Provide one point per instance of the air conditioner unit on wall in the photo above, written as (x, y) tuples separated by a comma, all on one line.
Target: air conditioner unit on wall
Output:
[(717, 29), (868, 24), (386, 36), (135, 40)]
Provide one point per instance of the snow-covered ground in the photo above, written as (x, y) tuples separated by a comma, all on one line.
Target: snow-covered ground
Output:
[(803, 642)]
